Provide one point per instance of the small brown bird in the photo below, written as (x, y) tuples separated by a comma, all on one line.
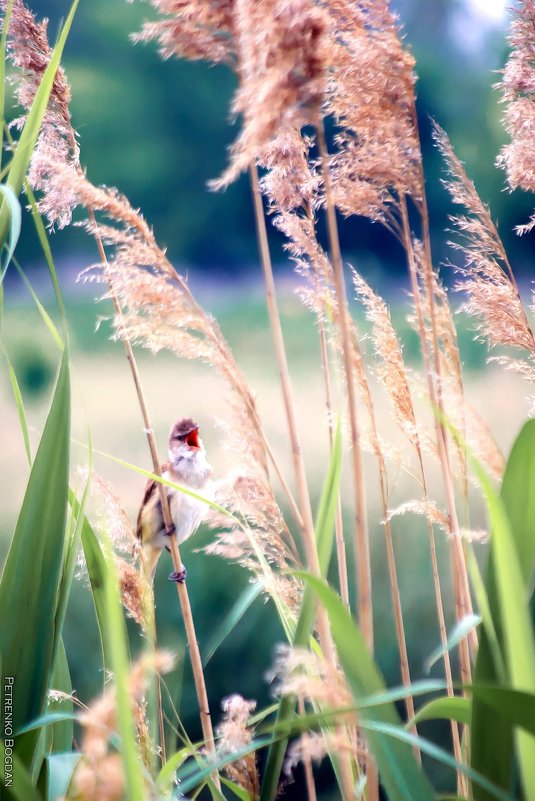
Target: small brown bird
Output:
[(188, 467)]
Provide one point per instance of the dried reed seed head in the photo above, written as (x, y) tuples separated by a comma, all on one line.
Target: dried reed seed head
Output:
[(99, 719), (195, 30), (300, 672), (30, 53), (103, 780), (427, 509), (518, 95), (371, 96), (390, 368), (235, 734), (316, 746), (233, 731), (111, 517), (282, 51), (291, 181), (135, 591), (491, 292)]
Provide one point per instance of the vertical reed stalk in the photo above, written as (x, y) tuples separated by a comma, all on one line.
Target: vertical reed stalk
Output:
[(307, 529), (339, 523), (307, 762), (462, 606), (362, 545), (183, 596), (440, 616), (431, 357), (363, 568)]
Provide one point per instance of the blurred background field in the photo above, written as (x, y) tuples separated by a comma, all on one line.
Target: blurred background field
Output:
[(159, 131)]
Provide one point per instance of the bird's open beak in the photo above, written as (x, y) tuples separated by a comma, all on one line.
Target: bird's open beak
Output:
[(192, 440)]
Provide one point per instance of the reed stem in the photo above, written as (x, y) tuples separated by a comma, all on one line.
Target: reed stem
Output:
[(307, 528), (183, 596), (362, 545)]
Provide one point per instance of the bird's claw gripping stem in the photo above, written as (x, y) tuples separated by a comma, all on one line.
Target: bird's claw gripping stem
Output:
[(178, 575), (170, 531)]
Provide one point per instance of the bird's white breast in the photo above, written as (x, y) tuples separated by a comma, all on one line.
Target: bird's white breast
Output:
[(187, 512)]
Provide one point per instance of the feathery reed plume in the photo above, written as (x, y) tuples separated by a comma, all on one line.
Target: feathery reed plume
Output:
[(99, 774), (29, 52), (492, 295), (518, 94), (112, 520), (300, 672), (281, 50), (376, 156), (234, 733), (258, 524), (192, 29), (311, 678), (392, 374)]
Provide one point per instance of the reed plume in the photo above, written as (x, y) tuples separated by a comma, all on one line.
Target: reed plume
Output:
[(29, 52), (234, 733), (376, 158), (488, 283), (518, 94), (99, 774), (194, 29)]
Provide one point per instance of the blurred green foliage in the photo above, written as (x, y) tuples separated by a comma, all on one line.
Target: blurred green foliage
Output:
[(159, 131)]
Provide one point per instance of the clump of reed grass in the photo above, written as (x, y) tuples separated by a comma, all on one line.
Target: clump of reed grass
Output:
[(235, 733), (300, 65), (518, 87), (99, 773)]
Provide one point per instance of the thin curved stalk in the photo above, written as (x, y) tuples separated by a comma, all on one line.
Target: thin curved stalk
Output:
[(362, 549), (307, 527), (183, 596)]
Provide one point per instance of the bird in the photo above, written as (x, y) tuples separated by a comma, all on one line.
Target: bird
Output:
[(188, 467)]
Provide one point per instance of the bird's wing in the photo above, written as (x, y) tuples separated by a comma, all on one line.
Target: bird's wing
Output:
[(150, 488)]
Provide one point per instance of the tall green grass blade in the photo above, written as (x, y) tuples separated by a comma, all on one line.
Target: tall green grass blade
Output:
[(489, 628), (71, 550), (32, 571), (244, 602), (48, 719), (324, 539), (20, 781), (62, 733), (507, 586), (59, 772), (234, 788), (193, 774), (446, 708), (19, 403), (30, 132), (96, 570), (47, 252), (518, 496), (389, 730), (54, 333), (399, 772), (3, 71), (514, 706), (12, 204), (460, 630), (117, 643)]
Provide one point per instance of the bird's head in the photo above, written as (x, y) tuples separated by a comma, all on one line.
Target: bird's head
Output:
[(186, 449)]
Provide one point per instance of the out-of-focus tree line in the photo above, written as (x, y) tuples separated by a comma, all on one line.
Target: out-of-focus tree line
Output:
[(159, 131)]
